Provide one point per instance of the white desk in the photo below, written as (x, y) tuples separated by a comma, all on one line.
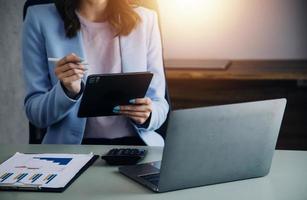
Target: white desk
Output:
[(286, 181)]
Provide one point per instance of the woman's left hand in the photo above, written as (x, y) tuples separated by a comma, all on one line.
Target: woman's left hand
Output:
[(139, 110)]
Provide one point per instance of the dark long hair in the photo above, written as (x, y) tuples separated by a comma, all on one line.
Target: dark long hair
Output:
[(119, 14)]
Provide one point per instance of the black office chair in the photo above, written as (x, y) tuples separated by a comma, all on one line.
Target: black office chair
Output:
[(36, 135)]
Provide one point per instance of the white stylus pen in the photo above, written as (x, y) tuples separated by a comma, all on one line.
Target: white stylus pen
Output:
[(58, 59)]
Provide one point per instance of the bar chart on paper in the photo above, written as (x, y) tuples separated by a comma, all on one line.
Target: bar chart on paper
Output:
[(43, 170)]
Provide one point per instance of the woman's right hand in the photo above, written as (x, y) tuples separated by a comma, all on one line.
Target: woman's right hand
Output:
[(70, 72)]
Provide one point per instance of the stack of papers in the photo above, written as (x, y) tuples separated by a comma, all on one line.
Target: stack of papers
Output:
[(41, 170)]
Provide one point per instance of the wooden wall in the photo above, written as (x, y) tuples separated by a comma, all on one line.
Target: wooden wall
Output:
[(188, 92)]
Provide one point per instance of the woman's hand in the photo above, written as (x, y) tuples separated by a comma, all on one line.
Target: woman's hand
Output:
[(139, 111), (70, 72)]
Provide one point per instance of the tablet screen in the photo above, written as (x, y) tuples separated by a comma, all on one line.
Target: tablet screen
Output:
[(105, 91)]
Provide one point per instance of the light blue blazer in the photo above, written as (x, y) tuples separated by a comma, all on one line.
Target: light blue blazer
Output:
[(46, 104)]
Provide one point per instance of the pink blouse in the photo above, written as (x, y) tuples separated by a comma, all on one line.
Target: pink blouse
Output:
[(102, 52)]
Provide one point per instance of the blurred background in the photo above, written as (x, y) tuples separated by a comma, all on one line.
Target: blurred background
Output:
[(234, 29), (263, 42)]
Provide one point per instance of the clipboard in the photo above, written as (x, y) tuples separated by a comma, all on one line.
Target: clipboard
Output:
[(37, 188), (105, 91)]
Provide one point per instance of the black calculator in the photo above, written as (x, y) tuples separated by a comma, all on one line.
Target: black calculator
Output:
[(124, 156)]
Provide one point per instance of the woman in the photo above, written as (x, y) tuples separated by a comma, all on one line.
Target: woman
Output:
[(112, 36)]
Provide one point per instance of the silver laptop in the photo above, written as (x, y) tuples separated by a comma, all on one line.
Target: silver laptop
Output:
[(214, 145)]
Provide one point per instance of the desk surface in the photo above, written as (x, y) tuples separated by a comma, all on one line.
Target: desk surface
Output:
[(287, 179), (246, 70)]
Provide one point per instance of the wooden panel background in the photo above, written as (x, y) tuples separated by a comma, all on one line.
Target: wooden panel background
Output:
[(188, 92)]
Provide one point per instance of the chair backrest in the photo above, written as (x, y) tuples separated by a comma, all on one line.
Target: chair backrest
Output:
[(36, 135)]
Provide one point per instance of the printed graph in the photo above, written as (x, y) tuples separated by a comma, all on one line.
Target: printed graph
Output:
[(41, 170), (60, 161), (22, 178)]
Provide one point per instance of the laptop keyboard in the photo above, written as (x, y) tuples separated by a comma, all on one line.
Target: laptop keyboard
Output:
[(152, 178)]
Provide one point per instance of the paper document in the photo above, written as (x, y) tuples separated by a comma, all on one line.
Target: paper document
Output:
[(41, 170)]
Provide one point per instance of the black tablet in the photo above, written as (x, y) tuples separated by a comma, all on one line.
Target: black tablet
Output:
[(105, 91)]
